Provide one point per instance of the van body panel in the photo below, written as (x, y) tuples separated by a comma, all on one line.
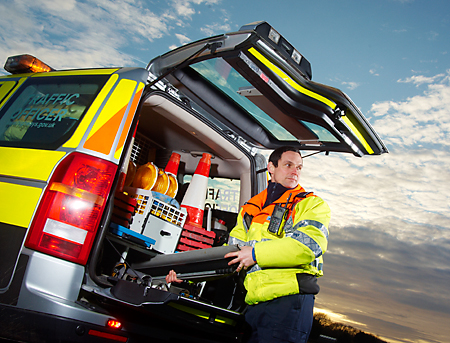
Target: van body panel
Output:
[(49, 278), (82, 129), (8, 87), (11, 238), (105, 137), (100, 71), (20, 205), (29, 159), (5, 88)]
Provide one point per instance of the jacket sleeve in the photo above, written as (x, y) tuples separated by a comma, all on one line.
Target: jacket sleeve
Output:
[(239, 233), (306, 237)]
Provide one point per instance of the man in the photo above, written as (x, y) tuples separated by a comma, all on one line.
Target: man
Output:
[(282, 259), (282, 233)]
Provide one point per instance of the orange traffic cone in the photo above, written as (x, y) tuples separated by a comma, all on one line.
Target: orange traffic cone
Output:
[(172, 165), (172, 171), (194, 199)]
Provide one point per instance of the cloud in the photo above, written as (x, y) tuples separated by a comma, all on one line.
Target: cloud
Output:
[(185, 9), (77, 34), (218, 27), (351, 85), (182, 38), (421, 121), (91, 33), (390, 225), (419, 80), (393, 273)]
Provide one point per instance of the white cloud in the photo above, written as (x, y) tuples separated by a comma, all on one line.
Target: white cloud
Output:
[(75, 33), (218, 27), (91, 33), (206, 2), (421, 79), (406, 192), (184, 7), (351, 85), (391, 219), (182, 38)]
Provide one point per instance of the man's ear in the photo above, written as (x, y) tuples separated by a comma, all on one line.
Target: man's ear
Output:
[(270, 168)]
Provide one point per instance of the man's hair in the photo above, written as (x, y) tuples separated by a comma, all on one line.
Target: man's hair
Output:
[(275, 156)]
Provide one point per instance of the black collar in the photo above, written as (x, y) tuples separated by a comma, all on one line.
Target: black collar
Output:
[(274, 192)]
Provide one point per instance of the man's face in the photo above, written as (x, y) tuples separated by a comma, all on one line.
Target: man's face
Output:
[(288, 171)]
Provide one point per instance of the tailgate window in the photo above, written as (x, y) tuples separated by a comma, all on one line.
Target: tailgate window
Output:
[(230, 82), (45, 111)]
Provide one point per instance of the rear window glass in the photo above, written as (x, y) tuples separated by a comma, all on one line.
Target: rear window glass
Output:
[(228, 80), (45, 111), (222, 75)]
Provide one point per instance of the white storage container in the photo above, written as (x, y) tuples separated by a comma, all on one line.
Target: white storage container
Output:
[(156, 219)]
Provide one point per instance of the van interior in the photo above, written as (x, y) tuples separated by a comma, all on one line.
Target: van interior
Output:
[(165, 127)]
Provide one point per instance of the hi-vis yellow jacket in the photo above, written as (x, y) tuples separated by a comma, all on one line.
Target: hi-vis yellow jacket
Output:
[(298, 249)]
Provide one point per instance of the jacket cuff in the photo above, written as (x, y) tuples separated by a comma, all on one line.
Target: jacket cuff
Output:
[(253, 255)]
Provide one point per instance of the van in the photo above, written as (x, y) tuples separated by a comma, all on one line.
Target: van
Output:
[(75, 264)]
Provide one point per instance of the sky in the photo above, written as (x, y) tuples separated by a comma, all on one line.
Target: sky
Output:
[(386, 270)]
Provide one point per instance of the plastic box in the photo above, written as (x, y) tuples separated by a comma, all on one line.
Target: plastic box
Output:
[(147, 204), (156, 219)]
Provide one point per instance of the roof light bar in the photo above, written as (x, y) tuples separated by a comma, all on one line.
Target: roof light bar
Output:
[(274, 36), (25, 64), (296, 57)]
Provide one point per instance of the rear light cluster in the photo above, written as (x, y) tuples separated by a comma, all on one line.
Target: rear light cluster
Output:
[(71, 208)]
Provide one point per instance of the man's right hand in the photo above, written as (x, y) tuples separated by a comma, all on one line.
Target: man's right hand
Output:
[(243, 256)]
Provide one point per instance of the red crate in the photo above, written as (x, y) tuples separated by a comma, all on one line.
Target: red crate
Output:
[(193, 244), (199, 231), (198, 238), (183, 247), (122, 214)]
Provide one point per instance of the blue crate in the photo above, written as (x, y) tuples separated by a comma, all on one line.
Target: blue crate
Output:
[(131, 235)]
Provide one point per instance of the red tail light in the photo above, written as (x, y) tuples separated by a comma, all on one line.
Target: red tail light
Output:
[(70, 211), (114, 324)]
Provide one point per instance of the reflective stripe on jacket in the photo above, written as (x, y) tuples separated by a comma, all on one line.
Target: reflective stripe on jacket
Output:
[(298, 249)]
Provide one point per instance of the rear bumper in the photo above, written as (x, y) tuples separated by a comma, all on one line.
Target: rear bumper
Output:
[(35, 327), (31, 326)]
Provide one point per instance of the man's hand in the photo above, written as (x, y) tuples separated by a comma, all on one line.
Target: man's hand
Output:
[(243, 257), (172, 277)]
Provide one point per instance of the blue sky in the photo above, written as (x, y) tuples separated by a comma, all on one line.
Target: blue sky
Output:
[(386, 270)]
